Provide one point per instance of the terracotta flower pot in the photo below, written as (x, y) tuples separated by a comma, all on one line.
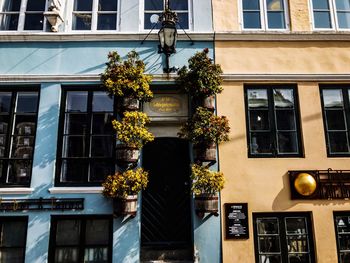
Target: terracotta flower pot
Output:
[(206, 203), (125, 206), (205, 153), (130, 104), (126, 154)]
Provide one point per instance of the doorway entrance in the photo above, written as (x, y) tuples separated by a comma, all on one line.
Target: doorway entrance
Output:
[(166, 212)]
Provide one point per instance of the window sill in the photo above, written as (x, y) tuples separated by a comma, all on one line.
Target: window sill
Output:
[(16, 191), (76, 190)]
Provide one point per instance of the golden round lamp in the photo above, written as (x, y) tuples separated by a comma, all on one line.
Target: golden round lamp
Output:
[(305, 184)]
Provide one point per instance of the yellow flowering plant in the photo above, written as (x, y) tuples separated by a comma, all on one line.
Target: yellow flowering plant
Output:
[(127, 78), (205, 181), (132, 131), (122, 184)]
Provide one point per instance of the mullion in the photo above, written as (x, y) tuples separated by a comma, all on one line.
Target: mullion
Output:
[(272, 119), (346, 106)]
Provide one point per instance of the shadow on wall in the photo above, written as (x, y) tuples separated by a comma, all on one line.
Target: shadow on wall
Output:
[(283, 199)]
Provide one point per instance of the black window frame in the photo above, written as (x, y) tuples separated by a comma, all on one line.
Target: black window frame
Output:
[(11, 134), (346, 100), (83, 219), (281, 216), (335, 215), (272, 122), (87, 160), (17, 219)]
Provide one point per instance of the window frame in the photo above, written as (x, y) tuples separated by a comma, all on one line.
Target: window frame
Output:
[(336, 214), (18, 219), (142, 16), (83, 220), (333, 18), (282, 226), (22, 18), (264, 17), (10, 133), (59, 159), (272, 120), (94, 18), (345, 89)]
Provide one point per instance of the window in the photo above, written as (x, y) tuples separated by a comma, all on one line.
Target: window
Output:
[(336, 115), (264, 14), (18, 118), (283, 238), (12, 246), (87, 143), (272, 121), (95, 15), (331, 14), (342, 231), (25, 15), (154, 8), (81, 239)]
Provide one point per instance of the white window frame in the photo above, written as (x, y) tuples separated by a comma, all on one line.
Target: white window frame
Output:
[(263, 17), (22, 15), (142, 16), (334, 18), (94, 12)]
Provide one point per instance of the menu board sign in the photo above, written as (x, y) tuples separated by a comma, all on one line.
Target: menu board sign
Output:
[(236, 221)]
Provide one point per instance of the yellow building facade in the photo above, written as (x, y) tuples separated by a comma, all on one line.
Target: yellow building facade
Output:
[(306, 62)]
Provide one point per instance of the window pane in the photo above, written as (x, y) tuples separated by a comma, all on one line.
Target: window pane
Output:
[(299, 258), (101, 146), (96, 255), (36, 5), (287, 142), (19, 172), (270, 259), (27, 102), (274, 5), (251, 5), (251, 20), (82, 5), (154, 5), (179, 4), (269, 244), (22, 147), (267, 226), (5, 102), (342, 4), (320, 4), (76, 124), (257, 98), (107, 5), (344, 242), (11, 5), (296, 225), (25, 124), (259, 120), (260, 143), (183, 20), (343, 19), (81, 22), (338, 142), (77, 101), (97, 232), (102, 102), (148, 21), (285, 120), (3, 170), (335, 119), (345, 257), (332, 98), (9, 21), (68, 232), (66, 254), (102, 123), (34, 22), (100, 170), (276, 20), (343, 224), (74, 146), (283, 98), (8, 228), (107, 22), (74, 171), (11, 255), (322, 19)]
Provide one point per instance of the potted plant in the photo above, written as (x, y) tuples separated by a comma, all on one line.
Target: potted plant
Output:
[(205, 130), (132, 135), (126, 80), (205, 186), (202, 79), (123, 188)]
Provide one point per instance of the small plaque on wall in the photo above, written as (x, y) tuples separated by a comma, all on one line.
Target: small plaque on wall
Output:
[(236, 221)]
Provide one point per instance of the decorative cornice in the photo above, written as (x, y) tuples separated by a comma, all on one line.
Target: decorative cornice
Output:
[(287, 77)]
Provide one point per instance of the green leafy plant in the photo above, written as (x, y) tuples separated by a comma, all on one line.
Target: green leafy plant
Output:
[(132, 131), (202, 78), (130, 182), (205, 181), (205, 128), (127, 78)]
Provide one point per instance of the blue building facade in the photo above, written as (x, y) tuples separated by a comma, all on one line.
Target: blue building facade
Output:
[(50, 89)]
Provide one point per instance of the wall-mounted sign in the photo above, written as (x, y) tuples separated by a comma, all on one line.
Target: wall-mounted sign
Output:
[(165, 104), (236, 221), (42, 204)]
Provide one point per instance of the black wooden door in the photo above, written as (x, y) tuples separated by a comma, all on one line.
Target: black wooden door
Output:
[(166, 217)]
